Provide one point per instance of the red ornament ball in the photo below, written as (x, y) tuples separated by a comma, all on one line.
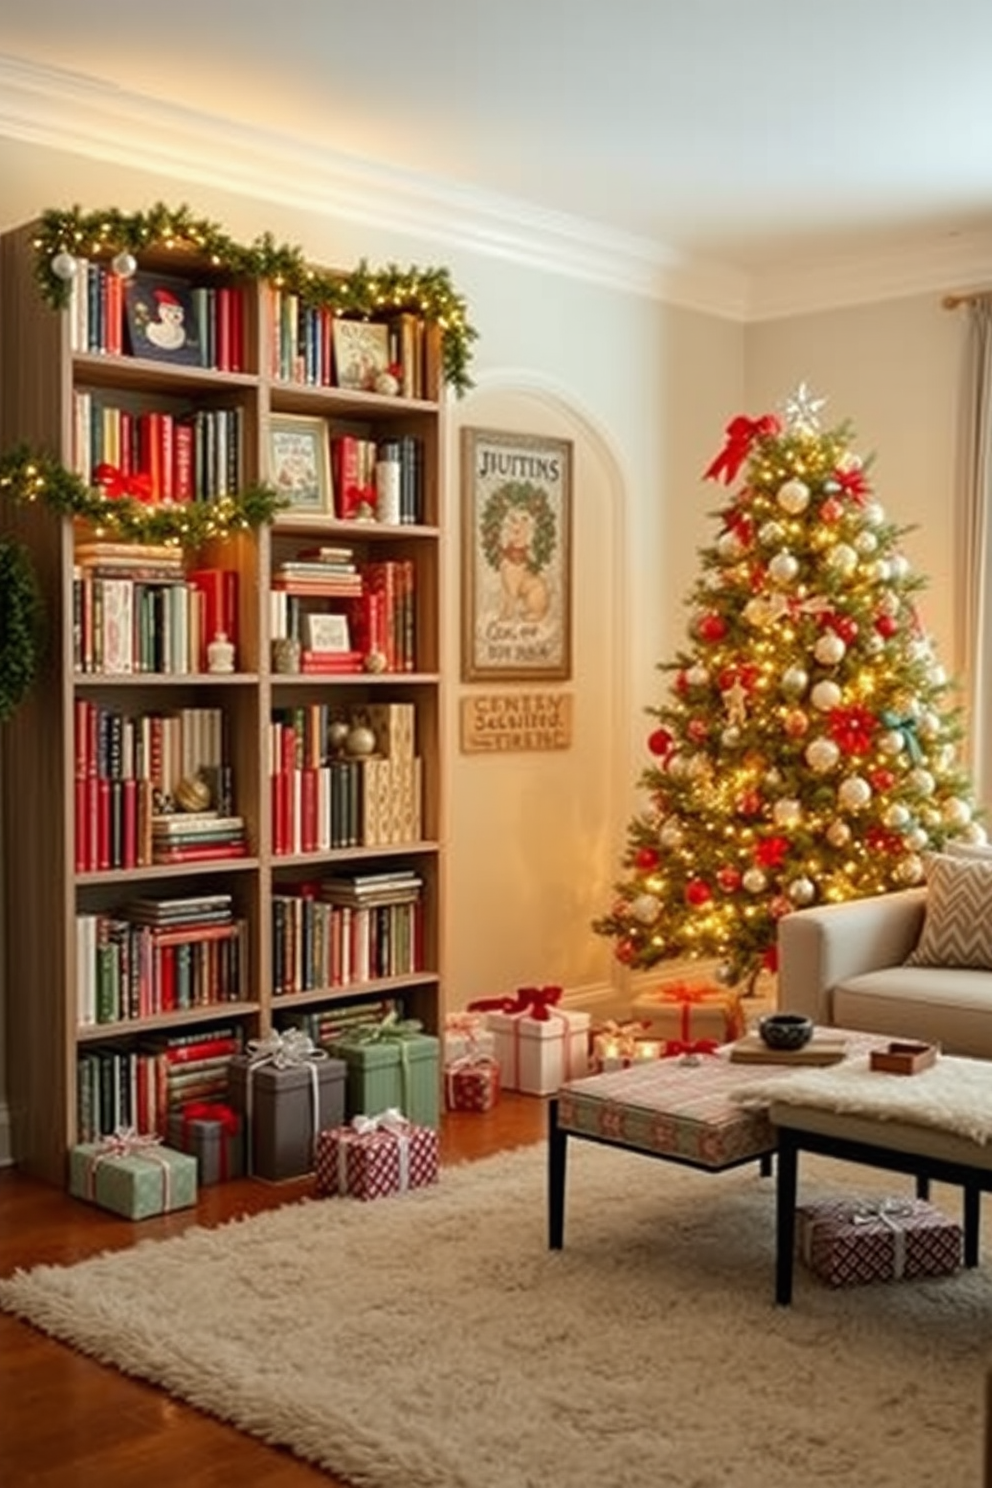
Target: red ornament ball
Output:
[(625, 952), (887, 626), (711, 627), (698, 892), (729, 878), (646, 858), (832, 510), (882, 780), (698, 730), (661, 742)]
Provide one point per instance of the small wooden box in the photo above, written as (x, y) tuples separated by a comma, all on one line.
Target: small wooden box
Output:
[(904, 1058)]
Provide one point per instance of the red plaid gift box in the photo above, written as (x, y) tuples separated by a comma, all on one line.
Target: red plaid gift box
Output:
[(376, 1156), (847, 1242), (471, 1084)]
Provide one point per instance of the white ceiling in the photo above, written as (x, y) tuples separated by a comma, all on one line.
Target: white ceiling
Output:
[(748, 134)]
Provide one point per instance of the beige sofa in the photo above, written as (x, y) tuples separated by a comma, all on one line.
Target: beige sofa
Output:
[(843, 964)]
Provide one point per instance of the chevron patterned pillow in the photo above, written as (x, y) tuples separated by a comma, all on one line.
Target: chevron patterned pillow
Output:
[(957, 927)]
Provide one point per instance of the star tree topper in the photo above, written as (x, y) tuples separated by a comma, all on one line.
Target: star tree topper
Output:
[(802, 410)]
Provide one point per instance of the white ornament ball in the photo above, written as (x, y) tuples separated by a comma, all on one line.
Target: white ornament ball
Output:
[(854, 793), (731, 737), (787, 812), (670, 835), (838, 834), (772, 778), (713, 580), (842, 560), (955, 812), (826, 695), (388, 384), (793, 497), (771, 534), (64, 266), (756, 613), (697, 676), (891, 743), (910, 870), (645, 909), (802, 891), (729, 546), (755, 881), (896, 816), (880, 571), (822, 755), (849, 460), (938, 675), (784, 567), (794, 681), (929, 724), (829, 649), (124, 265), (917, 839), (872, 514), (975, 833), (866, 543), (900, 566), (874, 644)]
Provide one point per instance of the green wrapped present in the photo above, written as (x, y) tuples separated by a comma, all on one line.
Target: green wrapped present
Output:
[(132, 1175), (391, 1065)]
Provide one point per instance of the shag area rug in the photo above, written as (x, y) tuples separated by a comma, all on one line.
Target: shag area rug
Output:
[(433, 1341)]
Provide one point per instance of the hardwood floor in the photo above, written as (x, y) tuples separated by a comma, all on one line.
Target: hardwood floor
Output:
[(68, 1422)]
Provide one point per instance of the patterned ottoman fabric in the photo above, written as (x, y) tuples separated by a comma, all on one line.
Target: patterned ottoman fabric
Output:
[(677, 1110)]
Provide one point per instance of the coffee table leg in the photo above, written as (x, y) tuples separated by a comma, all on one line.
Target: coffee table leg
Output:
[(922, 1186), (972, 1218), (557, 1147), (785, 1215), (765, 1165)]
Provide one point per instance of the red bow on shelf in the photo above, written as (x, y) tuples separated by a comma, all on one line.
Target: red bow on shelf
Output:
[(114, 484)]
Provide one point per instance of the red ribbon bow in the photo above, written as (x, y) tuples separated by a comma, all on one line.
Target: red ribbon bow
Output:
[(212, 1111), (537, 1001), (114, 484), (741, 434)]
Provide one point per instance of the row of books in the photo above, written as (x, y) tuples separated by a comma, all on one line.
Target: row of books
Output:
[(125, 625), (105, 316), (378, 480), (328, 1024), (127, 970), (369, 802), (317, 945), (311, 345), (141, 1086), (155, 455)]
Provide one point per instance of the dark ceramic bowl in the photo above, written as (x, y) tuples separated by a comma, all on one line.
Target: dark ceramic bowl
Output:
[(786, 1030)]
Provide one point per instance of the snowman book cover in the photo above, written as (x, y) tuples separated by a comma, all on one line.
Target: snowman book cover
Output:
[(162, 321)]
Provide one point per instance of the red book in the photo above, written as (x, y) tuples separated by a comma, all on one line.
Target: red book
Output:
[(166, 961), (330, 661), (308, 810), (180, 934), (237, 330), (81, 839), (102, 824), (114, 337), (352, 489), (206, 853), (182, 463), (205, 1048)]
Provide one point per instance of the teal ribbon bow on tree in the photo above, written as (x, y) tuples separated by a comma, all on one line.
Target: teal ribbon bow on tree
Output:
[(906, 726)]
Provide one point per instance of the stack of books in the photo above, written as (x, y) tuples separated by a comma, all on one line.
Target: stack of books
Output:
[(196, 836)]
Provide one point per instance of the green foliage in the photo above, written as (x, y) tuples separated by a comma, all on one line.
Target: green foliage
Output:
[(20, 626)]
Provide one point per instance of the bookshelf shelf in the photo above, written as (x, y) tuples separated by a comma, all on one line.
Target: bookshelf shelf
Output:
[(50, 389)]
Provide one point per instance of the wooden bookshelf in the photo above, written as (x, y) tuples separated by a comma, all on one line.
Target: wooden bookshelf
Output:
[(41, 375)]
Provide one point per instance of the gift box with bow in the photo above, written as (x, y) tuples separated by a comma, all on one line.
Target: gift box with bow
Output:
[(465, 1034), (212, 1133), (391, 1064), (539, 1045), (132, 1175), (847, 1242), (691, 1018), (287, 1090), (471, 1083), (376, 1156)]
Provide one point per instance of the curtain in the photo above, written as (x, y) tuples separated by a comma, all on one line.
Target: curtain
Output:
[(975, 590)]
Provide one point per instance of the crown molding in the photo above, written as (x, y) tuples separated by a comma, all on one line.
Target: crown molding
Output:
[(73, 112)]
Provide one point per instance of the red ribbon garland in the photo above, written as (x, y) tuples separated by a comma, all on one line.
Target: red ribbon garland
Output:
[(115, 484), (741, 435)]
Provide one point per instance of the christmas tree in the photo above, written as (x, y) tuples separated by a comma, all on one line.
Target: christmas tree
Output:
[(808, 752)]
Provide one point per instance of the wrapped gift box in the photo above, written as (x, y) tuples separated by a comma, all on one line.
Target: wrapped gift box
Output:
[(214, 1135), (848, 1242), (536, 1054), (285, 1101), (391, 1065), (471, 1083), (133, 1176), (619, 1045), (684, 1014), (376, 1156), (466, 1034)]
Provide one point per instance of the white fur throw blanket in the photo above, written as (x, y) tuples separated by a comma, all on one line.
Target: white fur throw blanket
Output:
[(954, 1095)]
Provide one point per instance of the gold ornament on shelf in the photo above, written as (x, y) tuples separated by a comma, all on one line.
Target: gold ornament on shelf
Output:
[(193, 794)]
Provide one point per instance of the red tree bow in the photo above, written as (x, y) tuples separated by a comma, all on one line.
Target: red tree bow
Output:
[(741, 434), (114, 483)]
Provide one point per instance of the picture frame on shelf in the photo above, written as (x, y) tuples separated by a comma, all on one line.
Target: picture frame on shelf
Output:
[(300, 463), (361, 353), (516, 492), (162, 323), (328, 633)]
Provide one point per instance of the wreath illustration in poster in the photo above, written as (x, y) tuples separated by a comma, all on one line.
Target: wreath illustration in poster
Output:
[(516, 557)]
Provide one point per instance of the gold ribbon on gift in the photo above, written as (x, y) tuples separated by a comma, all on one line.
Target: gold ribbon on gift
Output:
[(127, 1142), (291, 1049)]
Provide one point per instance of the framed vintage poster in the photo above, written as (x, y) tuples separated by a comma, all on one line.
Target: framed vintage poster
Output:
[(516, 557), (300, 463)]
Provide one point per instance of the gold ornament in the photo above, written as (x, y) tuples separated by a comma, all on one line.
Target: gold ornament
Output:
[(193, 794)]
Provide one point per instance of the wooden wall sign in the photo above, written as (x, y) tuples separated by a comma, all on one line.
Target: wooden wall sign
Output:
[(500, 722)]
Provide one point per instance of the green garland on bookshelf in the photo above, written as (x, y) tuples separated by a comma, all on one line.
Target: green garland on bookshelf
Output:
[(20, 625), (65, 235), (26, 476)]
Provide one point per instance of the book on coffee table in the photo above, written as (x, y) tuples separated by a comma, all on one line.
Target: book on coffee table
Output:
[(822, 1048)]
